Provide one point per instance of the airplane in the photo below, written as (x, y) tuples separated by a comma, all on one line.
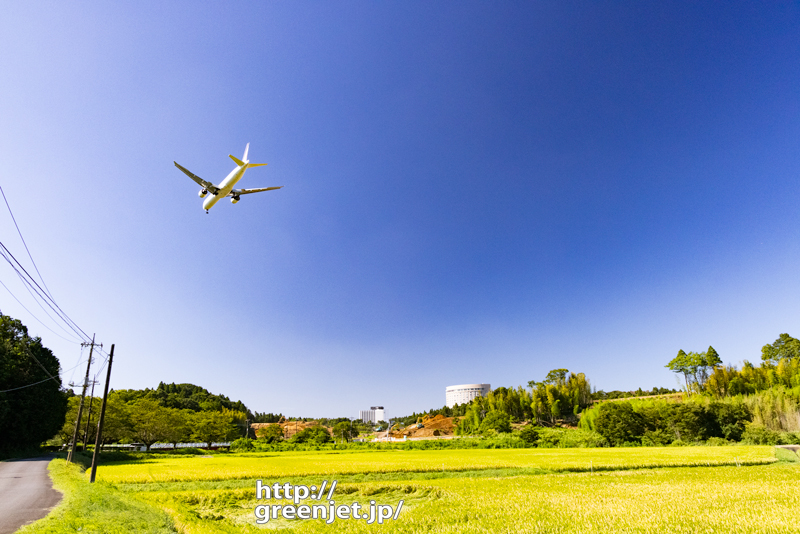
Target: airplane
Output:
[(225, 188)]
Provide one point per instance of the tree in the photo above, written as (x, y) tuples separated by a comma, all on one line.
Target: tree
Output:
[(619, 423), (314, 435), (271, 433), (529, 434), (784, 347), (680, 364), (496, 421), (34, 410), (150, 422), (344, 431), (696, 365), (209, 427), (179, 429), (117, 423), (556, 377)]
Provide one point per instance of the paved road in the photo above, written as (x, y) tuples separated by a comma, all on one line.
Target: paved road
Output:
[(26, 492)]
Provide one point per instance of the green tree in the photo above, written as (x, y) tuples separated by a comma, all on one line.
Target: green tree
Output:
[(784, 347), (556, 377), (179, 429), (343, 431), (209, 427), (680, 364), (33, 407), (117, 423), (314, 435), (619, 423), (529, 434), (496, 421), (271, 434), (150, 422)]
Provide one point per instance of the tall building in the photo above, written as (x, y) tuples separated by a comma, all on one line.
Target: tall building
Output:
[(464, 393), (373, 415)]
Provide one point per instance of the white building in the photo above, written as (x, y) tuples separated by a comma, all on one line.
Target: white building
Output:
[(464, 393), (373, 415)]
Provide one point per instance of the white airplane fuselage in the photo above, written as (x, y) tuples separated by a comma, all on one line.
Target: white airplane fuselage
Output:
[(225, 186)]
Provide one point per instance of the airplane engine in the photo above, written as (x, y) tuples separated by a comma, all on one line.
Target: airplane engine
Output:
[(203, 193), (234, 200)]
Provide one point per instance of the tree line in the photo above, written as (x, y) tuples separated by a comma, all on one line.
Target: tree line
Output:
[(144, 420), (32, 401)]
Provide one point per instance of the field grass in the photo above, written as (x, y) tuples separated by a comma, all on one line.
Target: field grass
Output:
[(327, 463), (96, 508), (630, 490)]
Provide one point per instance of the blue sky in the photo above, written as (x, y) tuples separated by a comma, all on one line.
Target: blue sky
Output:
[(474, 192)]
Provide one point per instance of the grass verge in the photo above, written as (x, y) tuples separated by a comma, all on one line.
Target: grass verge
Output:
[(95, 508)]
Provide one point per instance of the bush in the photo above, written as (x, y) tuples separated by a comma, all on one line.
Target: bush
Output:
[(189, 450), (314, 435), (242, 445), (618, 423), (270, 434), (559, 438), (759, 435), (715, 442), (529, 434), (657, 438), (732, 418), (790, 438), (497, 421)]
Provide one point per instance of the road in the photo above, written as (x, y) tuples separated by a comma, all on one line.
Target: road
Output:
[(26, 492)]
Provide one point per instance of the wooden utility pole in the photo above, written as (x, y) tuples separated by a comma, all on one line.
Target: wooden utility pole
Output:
[(83, 395), (98, 440), (89, 418)]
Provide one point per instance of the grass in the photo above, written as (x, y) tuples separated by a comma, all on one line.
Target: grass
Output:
[(96, 508)]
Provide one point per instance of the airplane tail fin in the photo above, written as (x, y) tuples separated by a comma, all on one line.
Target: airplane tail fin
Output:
[(243, 162)]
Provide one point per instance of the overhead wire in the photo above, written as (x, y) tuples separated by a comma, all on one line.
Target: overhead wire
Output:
[(40, 292), (44, 295), (34, 316), (39, 382), (46, 290), (28, 288), (24, 243), (80, 361)]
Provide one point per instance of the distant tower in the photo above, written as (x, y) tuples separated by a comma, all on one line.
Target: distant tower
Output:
[(464, 393)]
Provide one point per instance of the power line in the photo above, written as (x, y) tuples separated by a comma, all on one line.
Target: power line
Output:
[(28, 287), (43, 295), (40, 292), (40, 321), (28, 350), (39, 382), (29, 385), (23, 242)]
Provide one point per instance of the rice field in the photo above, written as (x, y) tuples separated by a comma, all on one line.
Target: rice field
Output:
[(329, 463), (630, 490)]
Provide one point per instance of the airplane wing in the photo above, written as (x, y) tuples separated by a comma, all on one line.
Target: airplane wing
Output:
[(237, 192), (205, 185)]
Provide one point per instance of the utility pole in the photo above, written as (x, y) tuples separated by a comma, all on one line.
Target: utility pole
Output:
[(83, 395), (89, 417), (98, 440)]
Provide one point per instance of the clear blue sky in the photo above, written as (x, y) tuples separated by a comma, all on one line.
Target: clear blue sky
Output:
[(474, 191)]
